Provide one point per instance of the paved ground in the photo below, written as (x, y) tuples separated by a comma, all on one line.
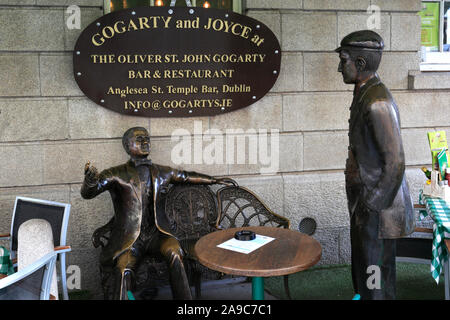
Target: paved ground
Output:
[(228, 289)]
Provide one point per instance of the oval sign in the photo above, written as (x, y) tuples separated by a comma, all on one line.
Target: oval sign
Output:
[(160, 61)]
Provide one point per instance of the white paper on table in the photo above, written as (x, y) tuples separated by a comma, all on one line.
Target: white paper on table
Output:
[(246, 246)]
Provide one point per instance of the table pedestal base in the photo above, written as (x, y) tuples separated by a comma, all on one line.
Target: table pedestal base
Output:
[(258, 288)]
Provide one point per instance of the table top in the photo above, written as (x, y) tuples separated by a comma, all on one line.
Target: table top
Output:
[(439, 209), (290, 252)]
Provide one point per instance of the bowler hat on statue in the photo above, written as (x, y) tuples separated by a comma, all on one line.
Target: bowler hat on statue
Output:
[(362, 40)]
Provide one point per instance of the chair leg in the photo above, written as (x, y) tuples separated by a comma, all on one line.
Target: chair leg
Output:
[(286, 287), (63, 276)]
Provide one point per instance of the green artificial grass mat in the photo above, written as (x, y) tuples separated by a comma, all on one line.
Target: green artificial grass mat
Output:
[(414, 282), (79, 295)]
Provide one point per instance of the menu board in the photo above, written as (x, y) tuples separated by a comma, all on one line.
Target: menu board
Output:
[(430, 25)]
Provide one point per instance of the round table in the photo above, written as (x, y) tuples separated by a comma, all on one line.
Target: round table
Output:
[(290, 252)]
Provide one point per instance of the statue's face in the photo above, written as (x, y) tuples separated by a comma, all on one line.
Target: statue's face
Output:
[(139, 144), (348, 68)]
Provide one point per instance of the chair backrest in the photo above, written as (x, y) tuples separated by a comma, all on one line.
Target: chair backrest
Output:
[(191, 210), (57, 214), (35, 240), (31, 283), (239, 207)]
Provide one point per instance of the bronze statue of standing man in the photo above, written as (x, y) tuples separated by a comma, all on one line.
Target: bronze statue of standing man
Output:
[(378, 197)]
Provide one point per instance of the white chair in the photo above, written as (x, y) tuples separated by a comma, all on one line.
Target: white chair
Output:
[(57, 214), (33, 282)]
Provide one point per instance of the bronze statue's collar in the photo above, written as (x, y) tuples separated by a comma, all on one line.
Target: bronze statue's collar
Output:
[(361, 90), (140, 162)]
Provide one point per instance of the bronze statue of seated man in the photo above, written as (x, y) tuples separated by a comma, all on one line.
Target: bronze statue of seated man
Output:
[(139, 226)]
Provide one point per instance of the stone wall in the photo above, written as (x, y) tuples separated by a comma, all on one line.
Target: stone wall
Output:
[(49, 129)]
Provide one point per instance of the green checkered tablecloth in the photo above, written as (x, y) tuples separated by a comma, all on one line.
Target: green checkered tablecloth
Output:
[(6, 265), (440, 212)]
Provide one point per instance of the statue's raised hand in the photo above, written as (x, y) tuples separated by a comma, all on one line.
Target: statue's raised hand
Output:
[(90, 172)]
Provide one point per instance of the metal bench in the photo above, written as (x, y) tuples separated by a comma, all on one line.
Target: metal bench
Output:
[(194, 211)]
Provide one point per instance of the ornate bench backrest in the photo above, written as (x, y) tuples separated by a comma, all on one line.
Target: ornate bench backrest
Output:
[(239, 207), (191, 210)]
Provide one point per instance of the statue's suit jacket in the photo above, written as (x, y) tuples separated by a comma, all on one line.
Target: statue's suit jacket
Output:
[(125, 187), (375, 169)]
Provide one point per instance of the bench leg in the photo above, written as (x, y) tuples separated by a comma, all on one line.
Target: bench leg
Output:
[(286, 287), (198, 284)]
